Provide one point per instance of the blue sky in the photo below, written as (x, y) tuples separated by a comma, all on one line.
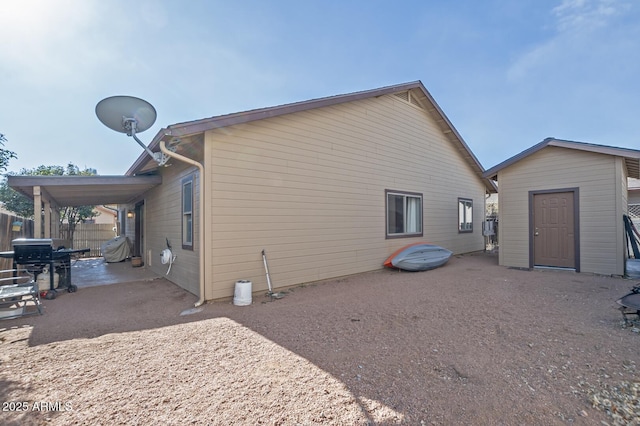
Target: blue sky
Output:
[(507, 73)]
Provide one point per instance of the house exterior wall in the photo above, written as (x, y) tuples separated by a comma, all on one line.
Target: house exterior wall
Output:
[(309, 188), (633, 201), (105, 216), (599, 178), (163, 220)]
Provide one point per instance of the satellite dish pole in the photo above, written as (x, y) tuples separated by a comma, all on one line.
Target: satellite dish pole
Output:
[(130, 115)]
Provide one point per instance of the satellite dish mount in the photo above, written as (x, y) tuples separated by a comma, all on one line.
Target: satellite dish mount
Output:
[(130, 115)]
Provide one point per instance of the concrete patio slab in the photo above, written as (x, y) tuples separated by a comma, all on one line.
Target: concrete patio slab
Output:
[(96, 271)]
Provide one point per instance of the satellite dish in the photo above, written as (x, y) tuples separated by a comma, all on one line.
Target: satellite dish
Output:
[(130, 115), (117, 112)]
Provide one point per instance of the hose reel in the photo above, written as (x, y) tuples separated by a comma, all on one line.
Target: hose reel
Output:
[(166, 256)]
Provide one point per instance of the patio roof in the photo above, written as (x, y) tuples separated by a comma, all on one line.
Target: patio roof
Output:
[(72, 191)]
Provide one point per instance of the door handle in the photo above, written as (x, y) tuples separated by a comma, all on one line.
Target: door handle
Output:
[(537, 232)]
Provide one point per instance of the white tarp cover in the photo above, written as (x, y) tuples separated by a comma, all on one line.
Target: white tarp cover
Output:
[(116, 249)]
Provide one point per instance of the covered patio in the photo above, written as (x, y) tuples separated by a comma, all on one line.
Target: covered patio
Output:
[(52, 192)]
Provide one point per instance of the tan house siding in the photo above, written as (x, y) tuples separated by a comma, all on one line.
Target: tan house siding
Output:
[(598, 178), (163, 220), (309, 187)]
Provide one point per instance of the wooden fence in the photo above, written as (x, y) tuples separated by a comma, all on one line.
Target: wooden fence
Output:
[(86, 235), (12, 227), (91, 235)]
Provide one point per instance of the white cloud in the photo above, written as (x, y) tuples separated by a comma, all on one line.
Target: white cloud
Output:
[(587, 35), (587, 15)]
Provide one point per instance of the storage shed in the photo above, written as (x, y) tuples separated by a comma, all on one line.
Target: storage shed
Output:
[(561, 205)]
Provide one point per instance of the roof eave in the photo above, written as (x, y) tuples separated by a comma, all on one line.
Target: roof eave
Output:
[(631, 156), (181, 130), (466, 151), (190, 128)]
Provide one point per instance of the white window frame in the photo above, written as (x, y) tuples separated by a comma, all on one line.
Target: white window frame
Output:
[(465, 215), (187, 213), (408, 198)]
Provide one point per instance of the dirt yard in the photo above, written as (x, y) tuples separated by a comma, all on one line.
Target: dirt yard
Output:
[(469, 343)]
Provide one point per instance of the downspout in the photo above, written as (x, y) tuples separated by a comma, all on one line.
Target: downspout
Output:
[(485, 237), (200, 167)]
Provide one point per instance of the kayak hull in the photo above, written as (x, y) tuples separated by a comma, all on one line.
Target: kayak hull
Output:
[(418, 257)]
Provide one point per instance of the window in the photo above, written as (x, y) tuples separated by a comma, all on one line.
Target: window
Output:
[(187, 213), (404, 214), (465, 215)]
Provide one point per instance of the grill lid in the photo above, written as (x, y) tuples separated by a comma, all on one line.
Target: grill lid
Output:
[(32, 242)]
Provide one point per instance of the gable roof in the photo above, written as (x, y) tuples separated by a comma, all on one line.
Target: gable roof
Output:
[(418, 91), (631, 156)]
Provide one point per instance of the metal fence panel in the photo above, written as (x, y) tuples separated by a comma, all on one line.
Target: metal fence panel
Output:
[(92, 236)]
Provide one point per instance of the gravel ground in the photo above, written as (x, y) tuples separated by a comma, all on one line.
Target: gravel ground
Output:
[(468, 343)]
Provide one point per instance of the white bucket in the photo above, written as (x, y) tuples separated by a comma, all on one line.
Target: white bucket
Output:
[(44, 280), (242, 293)]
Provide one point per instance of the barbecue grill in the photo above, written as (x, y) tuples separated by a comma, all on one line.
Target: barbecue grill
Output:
[(38, 254)]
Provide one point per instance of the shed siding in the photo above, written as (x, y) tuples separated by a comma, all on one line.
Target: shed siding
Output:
[(309, 188), (598, 179), (624, 210), (163, 206)]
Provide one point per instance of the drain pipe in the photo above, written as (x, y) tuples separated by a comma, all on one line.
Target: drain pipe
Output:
[(200, 167)]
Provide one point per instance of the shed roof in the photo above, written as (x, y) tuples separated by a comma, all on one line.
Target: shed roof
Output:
[(631, 156), (419, 92)]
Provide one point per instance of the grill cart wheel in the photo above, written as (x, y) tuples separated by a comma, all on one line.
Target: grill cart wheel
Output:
[(72, 288)]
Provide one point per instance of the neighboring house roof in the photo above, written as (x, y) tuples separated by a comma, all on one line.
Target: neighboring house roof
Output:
[(631, 156), (419, 92)]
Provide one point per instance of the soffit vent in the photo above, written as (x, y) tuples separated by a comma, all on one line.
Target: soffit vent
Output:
[(414, 101), (403, 95), (408, 97)]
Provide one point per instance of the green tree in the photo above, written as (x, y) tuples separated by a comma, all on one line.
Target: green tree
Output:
[(14, 201), (69, 216), (5, 154)]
